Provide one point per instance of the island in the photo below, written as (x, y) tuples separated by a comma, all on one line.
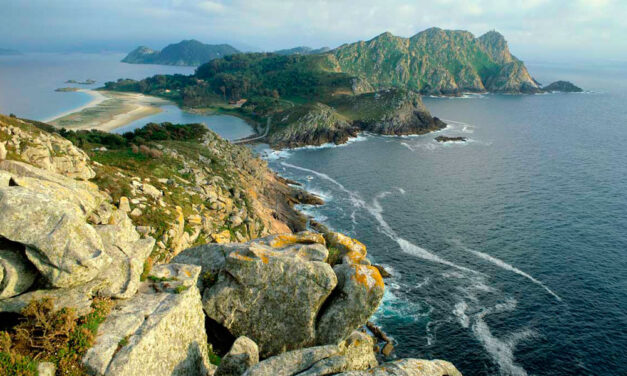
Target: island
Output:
[(451, 139), (562, 86), (67, 89), (86, 82), (302, 99), (185, 53)]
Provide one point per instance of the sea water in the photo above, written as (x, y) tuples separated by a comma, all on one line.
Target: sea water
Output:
[(508, 251)]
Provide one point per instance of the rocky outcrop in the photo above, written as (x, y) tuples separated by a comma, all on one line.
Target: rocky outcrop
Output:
[(410, 367), (281, 292), (45, 150), (389, 112), (158, 332), (563, 86), (63, 230), (17, 274), (272, 292), (314, 124), (359, 290), (353, 354), (451, 139), (61, 245)]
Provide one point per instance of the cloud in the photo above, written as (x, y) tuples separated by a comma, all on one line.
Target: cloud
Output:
[(534, 28)]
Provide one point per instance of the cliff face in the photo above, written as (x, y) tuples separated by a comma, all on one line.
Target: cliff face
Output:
[(436, 61), (389, 112)]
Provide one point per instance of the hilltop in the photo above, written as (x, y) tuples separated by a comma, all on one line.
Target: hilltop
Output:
[(187, 52)]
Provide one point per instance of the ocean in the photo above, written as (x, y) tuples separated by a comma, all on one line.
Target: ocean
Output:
[(508, 252)]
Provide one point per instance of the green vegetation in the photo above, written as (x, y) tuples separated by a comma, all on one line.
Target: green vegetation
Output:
[(213, 357), (187, 52), (60, 337)]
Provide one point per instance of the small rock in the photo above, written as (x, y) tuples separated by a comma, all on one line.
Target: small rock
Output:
[(46, 369), (222, 237), (387, 349), (124, 205), (243, 354), (136, 213)]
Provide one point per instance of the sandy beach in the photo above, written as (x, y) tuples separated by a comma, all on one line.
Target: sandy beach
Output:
[(109, 110)]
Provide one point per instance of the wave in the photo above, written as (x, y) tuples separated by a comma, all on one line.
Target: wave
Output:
[(502, 264), (376, 211)]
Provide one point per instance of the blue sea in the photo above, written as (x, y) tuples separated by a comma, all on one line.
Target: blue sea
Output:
[(508, 252)]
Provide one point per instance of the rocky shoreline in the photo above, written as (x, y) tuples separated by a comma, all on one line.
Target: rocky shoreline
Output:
[(236, 286)]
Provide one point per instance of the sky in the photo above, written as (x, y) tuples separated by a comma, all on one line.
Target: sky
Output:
[(542, 30)]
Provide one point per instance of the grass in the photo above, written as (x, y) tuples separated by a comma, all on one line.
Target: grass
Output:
[(334, 256), (60, 337), (213, 357)]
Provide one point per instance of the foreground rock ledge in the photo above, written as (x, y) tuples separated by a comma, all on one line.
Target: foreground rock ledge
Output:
[(158, 332)]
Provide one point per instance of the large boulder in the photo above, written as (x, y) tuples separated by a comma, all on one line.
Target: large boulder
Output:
[(61, 245), (243, 355), (60, 188), (128, 252), (410, 367), (359, 291), (272, 291), (281, 292), (17, 274), (160, 331), (356, 353), (292, 362)]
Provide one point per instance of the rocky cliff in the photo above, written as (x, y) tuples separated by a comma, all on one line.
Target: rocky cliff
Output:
[(389, 112), (436, 61), (85, 288)]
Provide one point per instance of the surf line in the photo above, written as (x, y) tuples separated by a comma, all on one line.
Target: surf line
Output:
[(502, 264), (376, 211)]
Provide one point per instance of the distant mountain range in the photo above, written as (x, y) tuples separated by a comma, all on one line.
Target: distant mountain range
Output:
[(187, 52), (5, 52)]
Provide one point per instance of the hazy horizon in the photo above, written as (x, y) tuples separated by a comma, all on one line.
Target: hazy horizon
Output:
[(545, 30)]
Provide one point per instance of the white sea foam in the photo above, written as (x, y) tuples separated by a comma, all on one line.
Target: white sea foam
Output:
[(501, 350), (377, 212), (502, 264)]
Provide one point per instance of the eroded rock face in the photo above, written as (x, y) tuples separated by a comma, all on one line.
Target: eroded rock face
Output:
[(410, 367), (160, 331), (272, 291), (61, 245), (17, 274)]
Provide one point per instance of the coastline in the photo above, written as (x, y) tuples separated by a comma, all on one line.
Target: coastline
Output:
[(96, 99), (108, 111)]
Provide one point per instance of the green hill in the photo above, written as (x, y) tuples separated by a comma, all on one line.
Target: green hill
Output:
[(187, 52), (436, 61)]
